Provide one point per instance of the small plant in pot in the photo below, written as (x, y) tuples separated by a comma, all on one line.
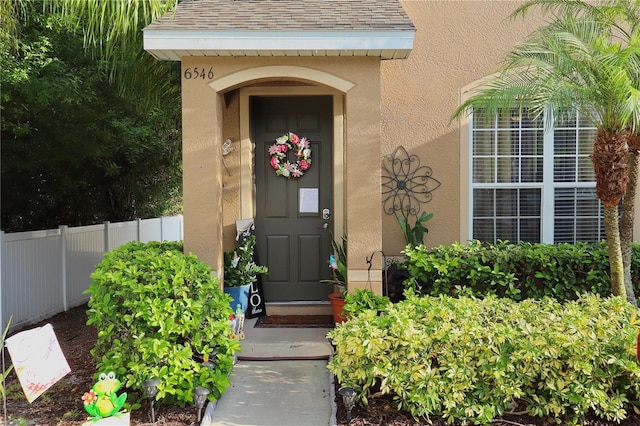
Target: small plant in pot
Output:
[(240, 272), (338, 265)]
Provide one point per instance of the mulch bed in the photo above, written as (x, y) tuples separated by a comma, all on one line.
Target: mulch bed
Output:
[(61, 405)]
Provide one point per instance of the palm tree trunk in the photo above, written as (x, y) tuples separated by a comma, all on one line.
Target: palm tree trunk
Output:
[(610, 164), (615, 253), (627, 215)]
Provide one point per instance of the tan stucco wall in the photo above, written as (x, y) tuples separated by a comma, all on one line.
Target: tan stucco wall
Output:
[(210, 117), (456, 43)]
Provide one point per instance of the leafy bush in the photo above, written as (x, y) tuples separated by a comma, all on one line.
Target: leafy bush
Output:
[(240, 267), (517, 271), (471, 360), (159, 313), (362, 300)]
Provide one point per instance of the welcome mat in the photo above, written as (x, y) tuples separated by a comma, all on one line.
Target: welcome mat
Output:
[(295, 321)]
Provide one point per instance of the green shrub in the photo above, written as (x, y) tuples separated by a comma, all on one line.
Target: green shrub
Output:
[(517, 271), (159, 313), (362, 300), (472, 360)]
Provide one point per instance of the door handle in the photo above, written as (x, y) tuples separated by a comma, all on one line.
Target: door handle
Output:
[(326, 214)]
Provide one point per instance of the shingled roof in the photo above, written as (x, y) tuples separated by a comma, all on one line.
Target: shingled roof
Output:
[(282, 27)]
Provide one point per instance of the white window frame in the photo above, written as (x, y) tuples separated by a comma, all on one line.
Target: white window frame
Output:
[(547, 186)]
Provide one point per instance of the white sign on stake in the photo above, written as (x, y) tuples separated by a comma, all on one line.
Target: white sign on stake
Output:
[(37, 359)]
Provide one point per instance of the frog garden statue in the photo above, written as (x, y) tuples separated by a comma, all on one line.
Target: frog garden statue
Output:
[(101, 401)]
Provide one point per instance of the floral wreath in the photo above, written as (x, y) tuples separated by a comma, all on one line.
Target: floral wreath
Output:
[(301, 149)]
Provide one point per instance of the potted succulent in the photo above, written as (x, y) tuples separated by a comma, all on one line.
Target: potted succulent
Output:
[(338, 265), (240, 272)]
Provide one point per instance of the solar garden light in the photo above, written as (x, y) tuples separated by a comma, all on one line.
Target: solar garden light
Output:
[(200, 397), (151, 389), (349, 400)]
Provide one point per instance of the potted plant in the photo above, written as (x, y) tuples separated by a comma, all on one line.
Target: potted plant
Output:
[(338, 265), (240, 272)]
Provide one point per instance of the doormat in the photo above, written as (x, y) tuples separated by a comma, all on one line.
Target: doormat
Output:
[(295, 321)]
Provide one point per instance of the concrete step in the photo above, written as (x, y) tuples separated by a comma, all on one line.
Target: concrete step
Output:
[(299, 308)]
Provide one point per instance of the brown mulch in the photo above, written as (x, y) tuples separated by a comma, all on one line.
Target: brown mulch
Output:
[(61, 405)]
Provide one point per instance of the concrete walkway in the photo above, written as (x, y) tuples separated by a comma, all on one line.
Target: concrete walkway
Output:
[(281, 378)]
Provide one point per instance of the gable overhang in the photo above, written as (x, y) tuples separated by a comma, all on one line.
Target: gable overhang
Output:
[(171, 45)]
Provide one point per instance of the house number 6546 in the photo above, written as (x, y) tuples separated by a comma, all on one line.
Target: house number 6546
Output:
[(197, 72)]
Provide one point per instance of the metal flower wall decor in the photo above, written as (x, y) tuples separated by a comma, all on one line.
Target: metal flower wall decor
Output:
[(405, 183)]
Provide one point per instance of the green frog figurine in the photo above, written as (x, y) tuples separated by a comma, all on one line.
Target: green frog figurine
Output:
[(101, 401)]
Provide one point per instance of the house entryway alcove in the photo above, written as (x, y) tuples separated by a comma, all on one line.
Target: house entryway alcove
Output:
[(249, 89)]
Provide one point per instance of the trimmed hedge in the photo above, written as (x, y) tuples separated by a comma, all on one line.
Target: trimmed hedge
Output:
[(159, 313), (472, 360), (517, 271)]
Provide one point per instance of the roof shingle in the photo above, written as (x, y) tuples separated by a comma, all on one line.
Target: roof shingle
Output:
[(286, 16)]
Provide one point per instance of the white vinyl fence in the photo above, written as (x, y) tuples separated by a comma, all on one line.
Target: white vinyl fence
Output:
[(46, 272)]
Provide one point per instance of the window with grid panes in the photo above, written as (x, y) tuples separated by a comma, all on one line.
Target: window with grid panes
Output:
[(528, 184)]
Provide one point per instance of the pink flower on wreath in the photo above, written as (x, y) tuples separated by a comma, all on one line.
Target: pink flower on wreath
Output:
[(295, 139), (304, 164), (274, 162), (304, 143), (289, 166), (296, 173), (89, 397), (283, 148), (273, 149)]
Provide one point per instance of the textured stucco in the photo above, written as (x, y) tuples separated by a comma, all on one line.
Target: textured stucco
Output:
[(456, 43)]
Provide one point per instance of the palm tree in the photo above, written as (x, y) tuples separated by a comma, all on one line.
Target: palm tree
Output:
[(113, 33), (572, 64), (623, 19)]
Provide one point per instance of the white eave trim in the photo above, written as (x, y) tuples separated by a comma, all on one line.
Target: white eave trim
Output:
[(174, 44)]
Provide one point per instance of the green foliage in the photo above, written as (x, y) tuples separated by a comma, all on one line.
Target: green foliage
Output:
[(5, 373), (338, 264), (75, 150), (517, 271), (413, 235), (362, 300), (159, 313), (239, 266), (472, 360)]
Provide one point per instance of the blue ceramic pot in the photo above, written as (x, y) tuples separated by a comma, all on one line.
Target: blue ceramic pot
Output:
[(240, 296)]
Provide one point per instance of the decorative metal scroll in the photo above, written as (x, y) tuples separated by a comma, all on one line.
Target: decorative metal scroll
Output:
[(405, 183)]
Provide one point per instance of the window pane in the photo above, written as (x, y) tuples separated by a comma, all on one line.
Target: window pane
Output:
[(578, 215), (531, 169), (507, 202), (530, 202), (483, 171), (507, 229), (530, 230), (585, 170), (483, 230), (508, 170), (564, 169), (481, 120), (483, 143), (483, 205)]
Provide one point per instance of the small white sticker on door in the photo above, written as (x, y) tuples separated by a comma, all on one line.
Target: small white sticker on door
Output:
[(308, 200)]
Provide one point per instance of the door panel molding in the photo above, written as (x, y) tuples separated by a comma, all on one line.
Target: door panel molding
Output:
[(247, 156)]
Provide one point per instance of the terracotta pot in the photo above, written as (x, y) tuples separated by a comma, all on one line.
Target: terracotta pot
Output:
[(337, 303)]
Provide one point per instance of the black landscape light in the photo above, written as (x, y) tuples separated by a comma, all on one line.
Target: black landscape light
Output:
[(349, 400), (151, 389), (200, 397)]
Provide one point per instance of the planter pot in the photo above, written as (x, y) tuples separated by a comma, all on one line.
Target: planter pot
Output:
[(337, 304), (240, 296), (117, 420)]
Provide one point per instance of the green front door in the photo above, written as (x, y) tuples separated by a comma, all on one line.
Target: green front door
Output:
[(293, 215)]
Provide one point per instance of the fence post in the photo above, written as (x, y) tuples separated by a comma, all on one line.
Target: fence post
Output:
[(106, 236), (161, 228), (63, 259), (138, 226)]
